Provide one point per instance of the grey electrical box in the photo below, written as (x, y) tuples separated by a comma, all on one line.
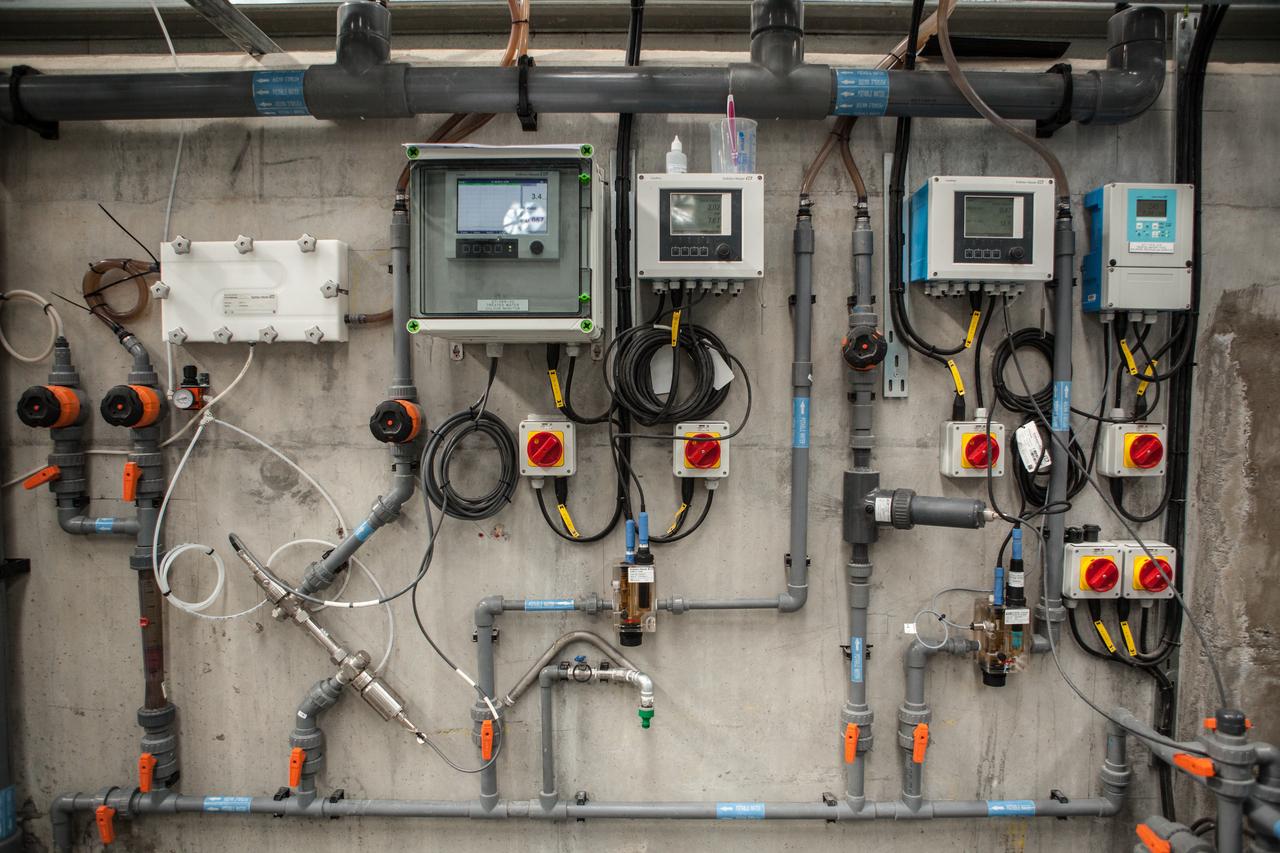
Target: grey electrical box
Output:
[(507, 244)]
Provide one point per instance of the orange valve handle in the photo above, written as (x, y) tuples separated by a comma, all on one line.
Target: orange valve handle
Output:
[(104, 815), (132, 474), (1211, 723), (486, 740), (919, 742), (44, 475), (146, 771), (297, 756), (1153, 842), (850, 743), (1196, 765)]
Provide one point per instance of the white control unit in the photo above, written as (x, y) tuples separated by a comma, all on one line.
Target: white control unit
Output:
[(988, 233), (1092, 570), (1139, 256), (704, 228), (1132, 450), (969, 449), (1143, 579), (249, 290)]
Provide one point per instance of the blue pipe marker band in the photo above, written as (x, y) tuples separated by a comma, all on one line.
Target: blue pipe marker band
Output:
[(801, 407), (1062, 406), (227, 804), (364, 531), (861, 92), (856, 659), (279, 93), (103, 525), (1011, 808), (548, 604), (8, 812), (739, 811)]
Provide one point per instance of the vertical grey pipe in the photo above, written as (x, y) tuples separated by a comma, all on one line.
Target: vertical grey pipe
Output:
[(856, 710), (402, 387), (480, 711), (915, 711), (546, 681), (801, 413), (12, 842), (777, 34), (1049, 611)]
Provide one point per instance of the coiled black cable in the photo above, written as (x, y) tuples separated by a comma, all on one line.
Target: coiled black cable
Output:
[(1037, 341), (628, 373)]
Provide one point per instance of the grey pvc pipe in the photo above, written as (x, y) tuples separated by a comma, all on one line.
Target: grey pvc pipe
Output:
[(13, 841), (604, 646), (801, 416), (485, 679), (402, 387), (546, 681)]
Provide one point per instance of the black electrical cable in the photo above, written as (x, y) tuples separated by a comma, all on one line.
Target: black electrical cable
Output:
[(446, 441), (977, 352), (629, 373), (561, 488)]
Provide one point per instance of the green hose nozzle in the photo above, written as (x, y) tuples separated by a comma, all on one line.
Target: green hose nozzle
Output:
[(646, 714)]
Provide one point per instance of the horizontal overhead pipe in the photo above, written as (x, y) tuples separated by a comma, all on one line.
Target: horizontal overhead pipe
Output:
[(1129, 85)]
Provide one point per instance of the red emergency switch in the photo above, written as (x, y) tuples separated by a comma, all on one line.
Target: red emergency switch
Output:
[(702, 451), (1143, 450), (981, 451), (545, 449), (1101, 574), (1154, 577)]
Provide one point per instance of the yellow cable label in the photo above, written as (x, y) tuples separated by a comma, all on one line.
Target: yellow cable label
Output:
[(568, 523), (1150, 371), (1128, 638), (555, 389), (973, 328), (1128, 357), (955, 377), (675, 326), (1106, 638), (675, 522)]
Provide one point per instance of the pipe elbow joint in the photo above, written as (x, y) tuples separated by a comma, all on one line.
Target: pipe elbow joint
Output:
[(60, 812), (486, 609), (1135, 71), (793, 599)]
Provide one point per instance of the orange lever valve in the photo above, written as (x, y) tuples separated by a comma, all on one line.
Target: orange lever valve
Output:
[(105, 817), (850, 743), (486, 740), (1211, 723), (1196, 765), (44, 475), (1153, 842), (146, 772), (919, 742), (297, 757), (132, 474)]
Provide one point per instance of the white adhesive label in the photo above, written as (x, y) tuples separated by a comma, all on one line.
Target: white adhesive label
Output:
[(502, 305), (1031, 448), (660, 370), (1151, 248), (302, 715), (1017, 579), (884, 510), (909, 628), (1017, 616), (640, 574), (242, 303), (722, 373)]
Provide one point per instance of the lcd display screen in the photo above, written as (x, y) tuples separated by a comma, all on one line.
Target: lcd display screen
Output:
[(697, 213), (988, 216), (502, 206), (1152, 208)]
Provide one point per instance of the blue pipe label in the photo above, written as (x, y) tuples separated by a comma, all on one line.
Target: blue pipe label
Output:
[(548, 604), (103, 525), (861, 92), (800, 409), (364, 531), (856, 658), (739, 811), (1062, 406), (8, 812), (279, 93), (227, 804), (1011, 808)]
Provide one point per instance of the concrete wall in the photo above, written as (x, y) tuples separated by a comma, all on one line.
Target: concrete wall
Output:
[(747, 703)]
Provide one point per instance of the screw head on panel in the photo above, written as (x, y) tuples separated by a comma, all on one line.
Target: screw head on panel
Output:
[(314, 335), (268, 334), (160, 290), (181, 245), (244, 244), (307, 243)]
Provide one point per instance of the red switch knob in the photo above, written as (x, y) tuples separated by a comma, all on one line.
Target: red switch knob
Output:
[(981, 451), (703, 453), (1101, 574), (1153, 577), (545, 449), (1146, 450)]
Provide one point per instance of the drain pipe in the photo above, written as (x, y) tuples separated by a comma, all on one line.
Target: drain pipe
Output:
[(397, 421), (914, 715), (309, 738)]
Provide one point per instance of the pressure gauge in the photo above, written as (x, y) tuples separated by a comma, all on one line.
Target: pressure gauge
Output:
[(184, 398)]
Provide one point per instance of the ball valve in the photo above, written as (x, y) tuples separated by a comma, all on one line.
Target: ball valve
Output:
[(133, 406), (396, 421)]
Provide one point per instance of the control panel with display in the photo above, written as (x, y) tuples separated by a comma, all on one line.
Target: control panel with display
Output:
[(699, 227), (993, 233), (502, 216), (1139, 255)]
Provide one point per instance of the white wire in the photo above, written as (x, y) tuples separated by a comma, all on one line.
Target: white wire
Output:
[(51, 313), (173, 184), (218, 398), (165, 30)]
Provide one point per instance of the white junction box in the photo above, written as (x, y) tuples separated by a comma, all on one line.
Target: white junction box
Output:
[(1092, 570), (249, 290), (989, 233), (1140, 246), (701, 453), (706, 228), (1132, 450), (1144, 579), (546, 446), (968, 449)]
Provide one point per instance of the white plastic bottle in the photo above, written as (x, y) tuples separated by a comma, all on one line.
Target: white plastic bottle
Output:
[(677, 162)]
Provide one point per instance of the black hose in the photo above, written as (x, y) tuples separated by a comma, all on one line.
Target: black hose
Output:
[(439, 457)]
